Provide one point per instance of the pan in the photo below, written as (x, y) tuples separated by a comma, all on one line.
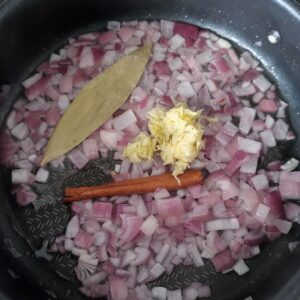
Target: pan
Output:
[(32, 29)]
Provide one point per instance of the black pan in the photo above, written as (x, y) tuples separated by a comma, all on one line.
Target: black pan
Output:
[(31, 29)]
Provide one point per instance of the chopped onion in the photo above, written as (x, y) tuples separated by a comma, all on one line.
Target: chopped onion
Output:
[(262, 212), (290, 165), (282, 225), (176, 41), (159, 293), (138, 238), (240, 267), (185, 89), (124, 120), (157, 270), (247, 116), (262, 83), (42, 175), (223, 261), (174, 295), (20, 176), (20, 132), (260, 182), (222, 224), (249, 146)]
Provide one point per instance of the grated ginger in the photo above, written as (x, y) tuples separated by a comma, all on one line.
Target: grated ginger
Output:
[(176, 135), (142, 148)]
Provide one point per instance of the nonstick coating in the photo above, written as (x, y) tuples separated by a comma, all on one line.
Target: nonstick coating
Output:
[(31, 29)]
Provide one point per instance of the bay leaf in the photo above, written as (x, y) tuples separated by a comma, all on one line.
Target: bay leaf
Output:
[(96, 103)]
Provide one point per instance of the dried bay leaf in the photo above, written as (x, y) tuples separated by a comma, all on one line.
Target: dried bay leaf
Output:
[(96, 103)]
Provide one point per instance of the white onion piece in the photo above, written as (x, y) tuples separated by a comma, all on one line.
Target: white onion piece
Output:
[(73, 227), (100, 238), (161, 255), (174, 295), (175, 64), (21, 131), (78, 158), (204, 291), (142, 210), (181, 250), (280, 129), (142, 275), (90, 149), (260, 182), (110, 138), (190, 293), (262, 83), (157, 270), (176, 41), (124, 120), (240, 267), (282, 225), (42, 175), (19, 176), (267, 138), (247, 116), (159, 293), (194, 252), (68, 244), (185, 89), (222, 224), (167, 28), (149, 226), (250, 166), (290, 165), (262, 212), (269, 122), (249, 146), (63, 102), (161, 194), (32, 80), (11, 120)]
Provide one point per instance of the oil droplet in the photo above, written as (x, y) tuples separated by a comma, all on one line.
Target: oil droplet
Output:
[(274, 37)]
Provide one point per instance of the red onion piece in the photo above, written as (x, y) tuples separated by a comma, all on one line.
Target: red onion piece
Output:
[(131, 226), (117, 288), (83, 239), (223, 261)]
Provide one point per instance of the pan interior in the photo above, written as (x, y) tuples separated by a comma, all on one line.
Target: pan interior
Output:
[(24, 230)]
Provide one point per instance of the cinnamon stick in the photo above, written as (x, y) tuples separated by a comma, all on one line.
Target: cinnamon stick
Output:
[(136, 186)]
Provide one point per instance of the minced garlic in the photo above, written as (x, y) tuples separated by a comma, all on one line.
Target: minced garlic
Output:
[(176, 135)]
